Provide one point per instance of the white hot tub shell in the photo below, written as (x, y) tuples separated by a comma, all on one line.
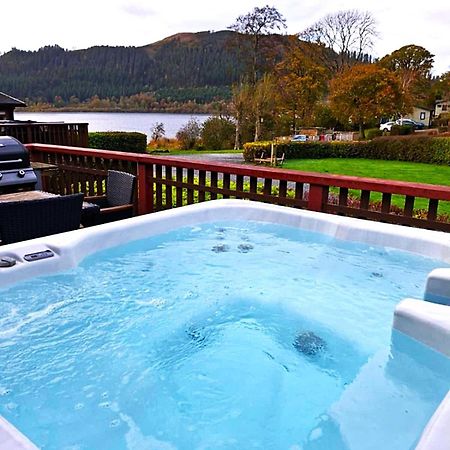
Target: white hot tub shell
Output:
[(426, 321)]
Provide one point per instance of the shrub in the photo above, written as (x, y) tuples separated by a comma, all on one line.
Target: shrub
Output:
[(371, 133), (119, 140), (163, 144), (218, 133), (443, 120), (189, 134), (401, 130), (424, 149), (254, 150)]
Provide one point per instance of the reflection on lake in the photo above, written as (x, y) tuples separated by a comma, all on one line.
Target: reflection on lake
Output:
[(116, 121)]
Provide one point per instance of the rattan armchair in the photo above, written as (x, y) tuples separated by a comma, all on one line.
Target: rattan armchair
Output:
[(117, 204), (23, 220)]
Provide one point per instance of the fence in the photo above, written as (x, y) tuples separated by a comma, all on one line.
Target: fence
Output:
[(167, 182), (74, 134)]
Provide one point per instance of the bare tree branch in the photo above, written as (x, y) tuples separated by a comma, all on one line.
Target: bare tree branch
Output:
[(259, 22), (350, 34)]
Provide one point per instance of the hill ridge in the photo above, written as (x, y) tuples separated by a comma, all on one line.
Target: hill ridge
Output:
[(179, 62)]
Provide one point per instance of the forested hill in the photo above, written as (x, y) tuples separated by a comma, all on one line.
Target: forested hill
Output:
[(197, 65)]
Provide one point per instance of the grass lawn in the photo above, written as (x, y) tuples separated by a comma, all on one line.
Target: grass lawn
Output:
[(388, 170)]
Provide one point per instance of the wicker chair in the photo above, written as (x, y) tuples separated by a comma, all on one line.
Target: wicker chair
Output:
[(117, 204), (20, 221)]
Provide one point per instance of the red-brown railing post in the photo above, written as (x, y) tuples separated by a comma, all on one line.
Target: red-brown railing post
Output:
[(145, 188), (318, 197)]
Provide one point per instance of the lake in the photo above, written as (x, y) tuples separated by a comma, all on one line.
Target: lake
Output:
[(116, 121)]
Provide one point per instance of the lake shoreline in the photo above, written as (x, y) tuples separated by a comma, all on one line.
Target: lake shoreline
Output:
[(142, 122), (109, 110)]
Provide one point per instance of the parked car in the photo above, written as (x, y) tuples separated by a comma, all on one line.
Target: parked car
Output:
[(402, 122), (410, 123), (386, 126), (299, 138)]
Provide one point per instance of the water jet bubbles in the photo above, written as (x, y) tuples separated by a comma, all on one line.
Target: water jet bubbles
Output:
[(114, 423), (221, 248), (4, 391), (245, 248), (309, 343), (11, 406), (190, 295), (196, 334), (376, 275)]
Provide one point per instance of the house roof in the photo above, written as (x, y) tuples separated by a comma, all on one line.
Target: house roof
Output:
[(423, 107), (6, 99)]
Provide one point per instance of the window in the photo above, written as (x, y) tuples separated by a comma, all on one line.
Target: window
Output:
[(422, 115)]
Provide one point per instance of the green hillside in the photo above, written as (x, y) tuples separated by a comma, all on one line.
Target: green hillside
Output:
[(188, 66)]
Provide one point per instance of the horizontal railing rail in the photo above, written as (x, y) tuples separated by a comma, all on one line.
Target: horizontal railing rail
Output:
[(73, 134), (167, 182)]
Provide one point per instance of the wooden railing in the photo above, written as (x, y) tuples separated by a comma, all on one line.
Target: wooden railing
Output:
[(73, 134), (166, 182)]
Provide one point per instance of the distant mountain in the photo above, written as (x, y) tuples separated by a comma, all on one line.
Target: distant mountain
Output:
[(187, 66)]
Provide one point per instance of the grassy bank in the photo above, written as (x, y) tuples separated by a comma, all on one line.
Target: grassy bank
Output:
[(387, 170)]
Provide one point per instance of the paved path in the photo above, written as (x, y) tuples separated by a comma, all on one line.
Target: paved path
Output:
[(235, 158)]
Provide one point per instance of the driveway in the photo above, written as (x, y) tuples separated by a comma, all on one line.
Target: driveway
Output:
[(235, 158)]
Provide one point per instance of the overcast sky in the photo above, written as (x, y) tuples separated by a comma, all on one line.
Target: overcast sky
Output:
[(31, 24)]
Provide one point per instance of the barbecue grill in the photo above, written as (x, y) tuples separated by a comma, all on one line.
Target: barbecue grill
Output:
[(15, 171)]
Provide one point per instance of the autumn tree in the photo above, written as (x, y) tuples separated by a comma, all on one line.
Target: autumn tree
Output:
[(364, 93), (254, 25), (218, 133), (301, 81), (241, 101), (263, 102), (441, 91), (441, 88), (412, 65), (189, 134), (350, 34)]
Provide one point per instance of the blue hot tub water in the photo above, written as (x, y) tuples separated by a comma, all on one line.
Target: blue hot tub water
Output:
[(221, 336)]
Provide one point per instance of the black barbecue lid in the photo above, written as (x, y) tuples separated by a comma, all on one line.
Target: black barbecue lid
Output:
[(13, 154)]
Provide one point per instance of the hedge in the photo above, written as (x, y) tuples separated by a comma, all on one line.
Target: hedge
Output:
[(305, 150), (401, 130), (372, 133), (119, 140), (424, 149)]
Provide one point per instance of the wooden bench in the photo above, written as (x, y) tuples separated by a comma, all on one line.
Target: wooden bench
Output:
[(269, 161)]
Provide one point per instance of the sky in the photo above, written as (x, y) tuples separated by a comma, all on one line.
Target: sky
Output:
[(31, 24)]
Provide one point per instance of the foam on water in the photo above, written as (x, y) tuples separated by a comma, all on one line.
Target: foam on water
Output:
[(230, 335)]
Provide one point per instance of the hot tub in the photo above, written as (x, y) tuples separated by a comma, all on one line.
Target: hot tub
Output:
[(228, 324)]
